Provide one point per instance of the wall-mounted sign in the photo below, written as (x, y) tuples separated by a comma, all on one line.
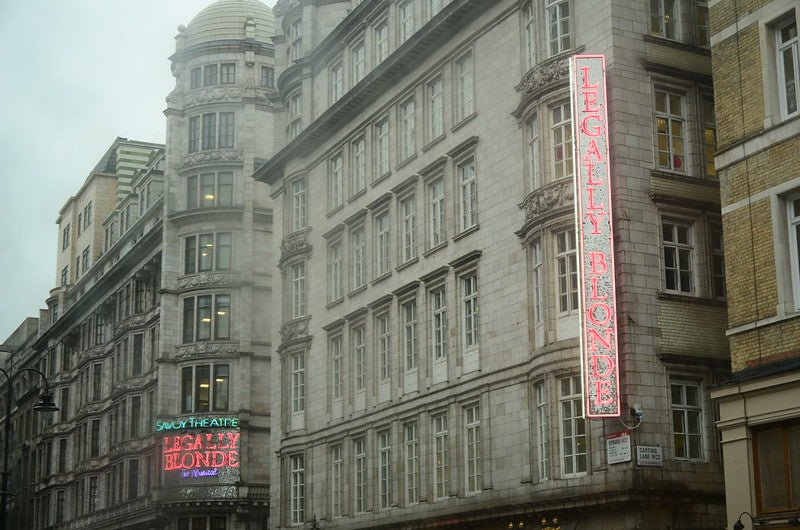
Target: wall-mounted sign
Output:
[(649, 455), (595, 236), (618, 447), (200, 448), (196, 423)]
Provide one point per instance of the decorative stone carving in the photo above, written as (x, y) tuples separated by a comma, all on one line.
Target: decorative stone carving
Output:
[(205, 348), (213, 155), (544, 74), (284, 6), (130, 322), (294, 329), (213, 95), (207, 279), (294, 244), (547, 198)]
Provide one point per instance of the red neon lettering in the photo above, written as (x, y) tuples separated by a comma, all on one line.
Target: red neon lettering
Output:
[(595, 220), (594, 337), (604, 359), (597, 130), (585, 71), (590, 97), (590, 174), (598, 261), (599, 322), (595, 295), (593, 150), (592, 205), (603, 396)]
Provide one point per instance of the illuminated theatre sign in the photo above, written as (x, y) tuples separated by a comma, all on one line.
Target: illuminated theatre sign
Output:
[(200, 447), (595, 236)]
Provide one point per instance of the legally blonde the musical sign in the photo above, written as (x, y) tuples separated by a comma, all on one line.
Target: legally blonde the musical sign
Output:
[(595, 235), (200, 449)]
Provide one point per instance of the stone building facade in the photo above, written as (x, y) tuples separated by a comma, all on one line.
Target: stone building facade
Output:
[(428, 369), (756, 63)]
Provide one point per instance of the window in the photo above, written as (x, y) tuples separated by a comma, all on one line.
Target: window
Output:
[(206, 317), (385, 468), (777, 466), (686, 420), (709, 138), (534, 153), (208, 190), (336, 181), (359, 63), (267, 76), (541, 431), (335, 265), (440, 457), (295, 115), (61, 502), (408, 211), (435, 100), (439, 324), (567, 270), (94, 439), (360, 475), (537, 282), (337, 82), (198, 394), (382, 244), (465, 97), (677, 241), (65, 237), (664, 18), (298, 489), (472, 449), (530, 34), (468, 185), (384, 346), (670, 131), (558, 34), (573, 427), (382, 147), (336, 367), (210, 75), (793, 221), (202, 523), (718, 289), (195, 77), (337, 483), (703, 23), (137, 361), (788, 61), (298, 290), (206, 252), (469, 308), (135, 416), (359, 164), (85, 259), (227, 73), (407, 129), (209, 132), (194, 134), (299, 199), (226, 129), (298, 382), (359, 257), (409, 310), (562, 141), (65, 275), (381, 42), (295, 39), (411, 462), (436, 212), (359, 357), (97, 381), (406, 16)]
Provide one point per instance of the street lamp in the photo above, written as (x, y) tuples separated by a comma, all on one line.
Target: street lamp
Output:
[(46, 404)]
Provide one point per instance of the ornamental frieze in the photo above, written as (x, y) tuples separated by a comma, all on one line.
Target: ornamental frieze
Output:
[(96, 351), (215, 94), (548, 198), (293, 244), (205, 348), (207, 279), (130, 322), (213, 155), (543, 75), (284, 6), (294, 329), (90, 408)]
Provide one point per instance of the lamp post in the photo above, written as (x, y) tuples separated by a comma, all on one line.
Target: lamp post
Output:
[(46, 404)]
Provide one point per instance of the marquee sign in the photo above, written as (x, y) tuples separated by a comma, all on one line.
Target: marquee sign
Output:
[(599, 345), (200, 448)]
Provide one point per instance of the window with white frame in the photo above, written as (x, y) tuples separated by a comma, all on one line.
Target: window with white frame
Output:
[(473, 463), (468, 186), (382, 147), (358, 164), (440, 457), (195, 77), (336, 181), (385, 468), (558, 26), (542, 451), (562, 141), (384, 346), (408, 213), (530, 34), (469, 311), (295, 39), (687, 420), (267, 76), (438, 323), (465, 91), (299, 199), (432, 7), (381, 41), (335, 353), (537, 281), (678, 251), (382, 244), (435, 110), (206, 317), (407, 129), (335, 266), (227, 73), (226, 130), (337, 481), (210, 75), (358, 57), (298, 289), (358, 246), (360, 475), (298, 490), (793, 226), (406, 18), (703, 23), (204, 133), (534, 153), (206, 252), (336, 82), (664, 18), (209, 190), (411, 440), (436, 219), (670, 131), (295, 114), (359, 357), (572, 428), (298, 382), (788, 62), (567, 271), (409, 312), (200, 392)]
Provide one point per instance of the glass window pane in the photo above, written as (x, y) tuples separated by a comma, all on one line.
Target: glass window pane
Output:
[(202, 387), (221, 380), (222, 325), (203, 317)]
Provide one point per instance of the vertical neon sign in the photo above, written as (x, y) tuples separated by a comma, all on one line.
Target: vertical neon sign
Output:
[(599, 345)]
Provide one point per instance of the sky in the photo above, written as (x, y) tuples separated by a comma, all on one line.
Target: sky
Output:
[(78, 74)]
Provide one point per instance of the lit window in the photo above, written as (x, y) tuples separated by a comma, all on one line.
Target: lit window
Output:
[(206, 317), (670, 131), (199, 393), (664, 18), (687, 421), (205, 252), (572, 428), (208, 190), (709, 138)]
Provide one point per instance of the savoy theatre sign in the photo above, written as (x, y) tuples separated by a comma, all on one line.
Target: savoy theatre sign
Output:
[(595, 236)]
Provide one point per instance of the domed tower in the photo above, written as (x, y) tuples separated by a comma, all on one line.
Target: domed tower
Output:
[(213, 406)]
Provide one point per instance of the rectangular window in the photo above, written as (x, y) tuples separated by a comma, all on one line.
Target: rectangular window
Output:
[(94, 439), (298, 489), (433, 7), (567, 270), (298, 382), (703, 23), (295, 115), (435, 100), (205, 252), (221, 386), (473, 462), (194, 134), (677, 241), (359, 63), (382, 245), (562, 141), (335, 264), (135, 416), (210, 75), (337, 482), (440, 457), (360, 475), (465, 96), (382, 147), (664, 18), (469, 308), (530, 33), (709, 138), (195, 77), (537, 281), (133, 479), (359, 164), (336, 367), (384, 346), (558, 32), (336, 82), (411, 463), (406, 17), (687, 421), (573, 427), (359, 357), (670, 134), (227, 73), (408, 211), (137, 361), (226, 130), (436, 213), (407, 129), (359, 257), (777, 463), (385, 468), (542, 430), (204, 314), (439, 324), (267, 76), (197, 390), (534, 153), (336, 181), (65, 237), (409, 310), (468, 185), (298, 290), (209, 133), (65, 275), (381, 41), (85, 260), (788, 62), (299, 204)]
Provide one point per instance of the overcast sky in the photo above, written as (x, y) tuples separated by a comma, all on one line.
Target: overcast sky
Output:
[(77, 74)]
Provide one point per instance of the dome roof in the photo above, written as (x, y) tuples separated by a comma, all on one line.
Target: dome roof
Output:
[(225, 20)]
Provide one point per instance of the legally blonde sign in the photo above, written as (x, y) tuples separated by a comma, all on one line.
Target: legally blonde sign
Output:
[(595, 235), (200, 448)]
